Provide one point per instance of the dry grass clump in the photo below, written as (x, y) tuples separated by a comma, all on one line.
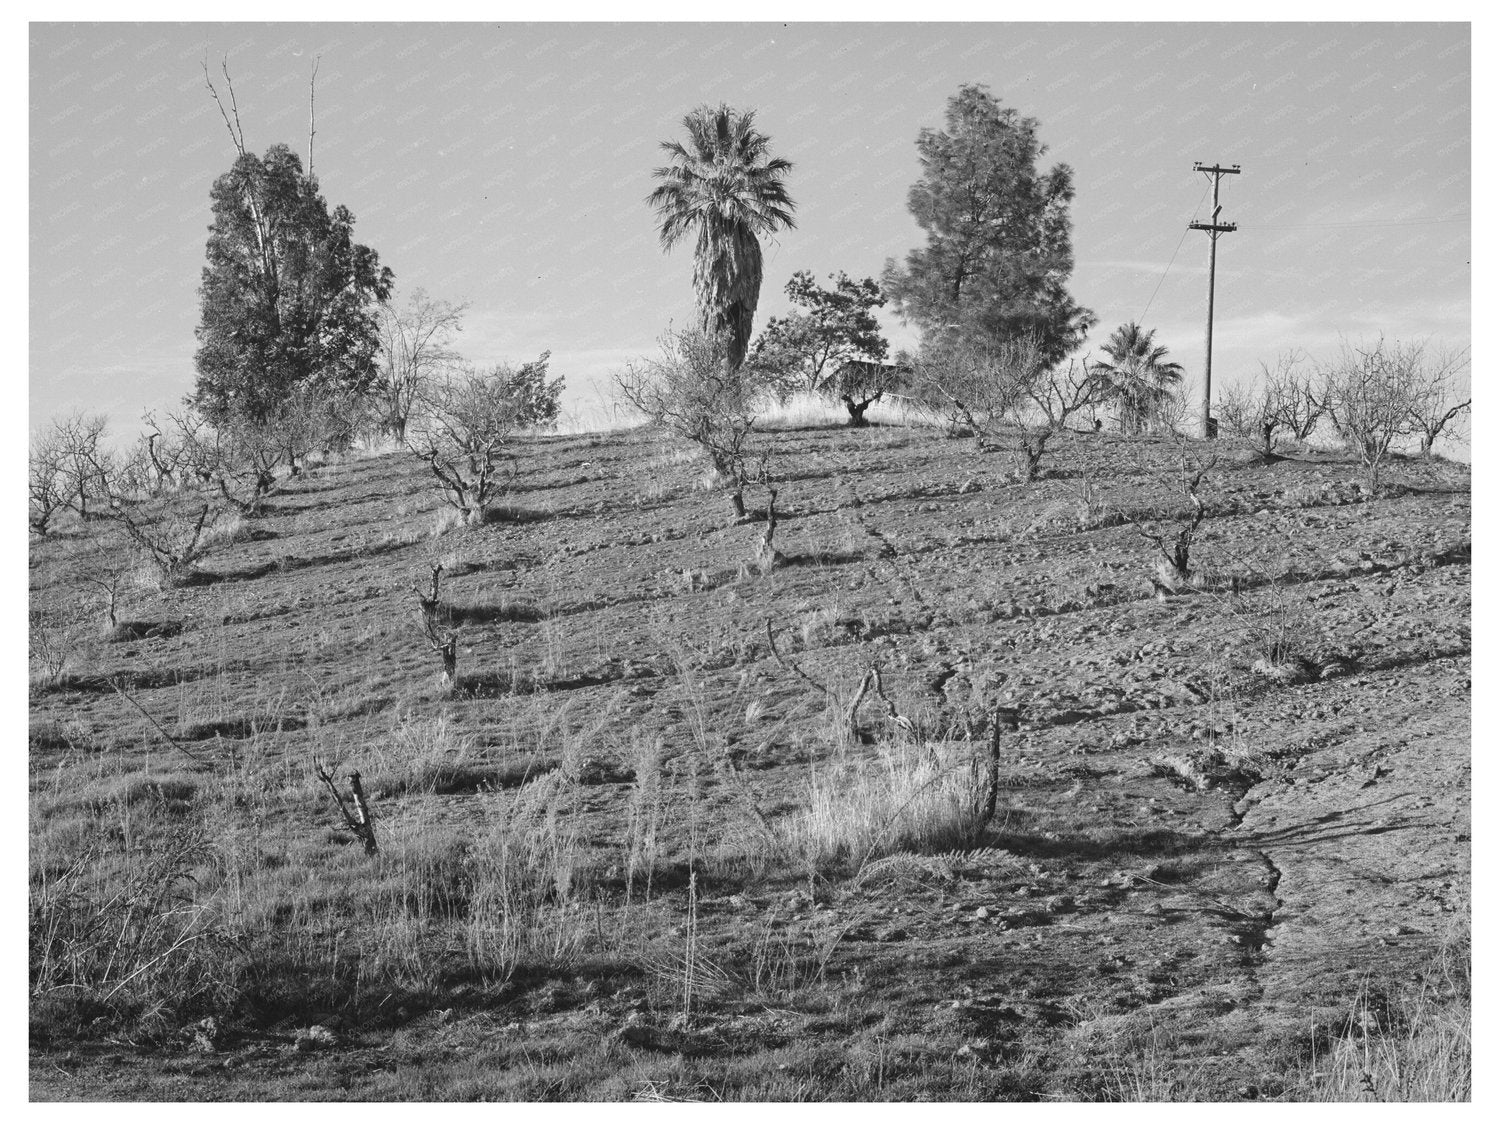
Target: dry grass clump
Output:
[(444, 520), (908, 797), (427, 756), (128, 932), (1413, 1047), (51, 646)]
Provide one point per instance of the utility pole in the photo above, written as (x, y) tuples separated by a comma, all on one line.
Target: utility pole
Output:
[(1214, 228)]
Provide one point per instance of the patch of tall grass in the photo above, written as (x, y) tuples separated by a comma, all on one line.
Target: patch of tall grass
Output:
[(1416, 1047), (907, 797)]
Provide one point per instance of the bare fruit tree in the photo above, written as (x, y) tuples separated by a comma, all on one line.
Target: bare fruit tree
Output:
[(1248, 411), (156, 462), (1368, 395), (1297, 392), (175, 533), (46, 481), (464, 431), (1439, 393), (108, 568), (977, 385), (415, 344), (1050, 397), (86, 466), (1173, 526), (437, 628), (239, 461), (1281, 398), (691, 390), (69, 468)]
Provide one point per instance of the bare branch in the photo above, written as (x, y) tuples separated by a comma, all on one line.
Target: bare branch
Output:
[(793, 668), (237, 137), (312, 115)]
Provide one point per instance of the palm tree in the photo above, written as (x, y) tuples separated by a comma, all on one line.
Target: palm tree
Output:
[(1140, 379), (723, 186)]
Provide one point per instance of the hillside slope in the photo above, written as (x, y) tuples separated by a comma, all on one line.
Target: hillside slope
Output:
[(638, 854)]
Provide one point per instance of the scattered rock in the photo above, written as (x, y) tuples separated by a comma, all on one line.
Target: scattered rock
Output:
[(206, 1036), (317, 1037), (638, 1035)]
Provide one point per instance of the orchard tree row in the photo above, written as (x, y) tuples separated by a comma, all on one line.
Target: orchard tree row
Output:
[(302, 348)]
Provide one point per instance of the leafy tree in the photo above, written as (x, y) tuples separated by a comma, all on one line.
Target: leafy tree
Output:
[(725, 188), (833, 348), (999, 238), (286, 295), (535, 399), (1142, 381), (415, 343)]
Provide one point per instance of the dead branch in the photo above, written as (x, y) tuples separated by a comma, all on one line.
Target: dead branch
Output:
[(111, 589), (896, 718), (236, 132), (312, 115), (859, 697), (173, 742), (429, 602), (747, 794), (359, 821), (793, 668)]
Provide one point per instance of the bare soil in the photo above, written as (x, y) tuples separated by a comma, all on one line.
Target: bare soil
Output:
[(1197, 870)]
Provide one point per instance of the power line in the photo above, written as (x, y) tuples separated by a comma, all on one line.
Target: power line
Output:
[(1173, 258), (1163, 276), (1368, 222)]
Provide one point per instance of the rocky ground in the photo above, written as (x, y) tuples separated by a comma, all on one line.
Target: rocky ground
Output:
[(1233, 817)]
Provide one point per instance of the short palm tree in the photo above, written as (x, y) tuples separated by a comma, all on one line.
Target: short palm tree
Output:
[(724, 186), (1141, 381)]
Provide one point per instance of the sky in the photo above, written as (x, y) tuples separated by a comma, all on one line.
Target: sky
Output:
[(507, 166)]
